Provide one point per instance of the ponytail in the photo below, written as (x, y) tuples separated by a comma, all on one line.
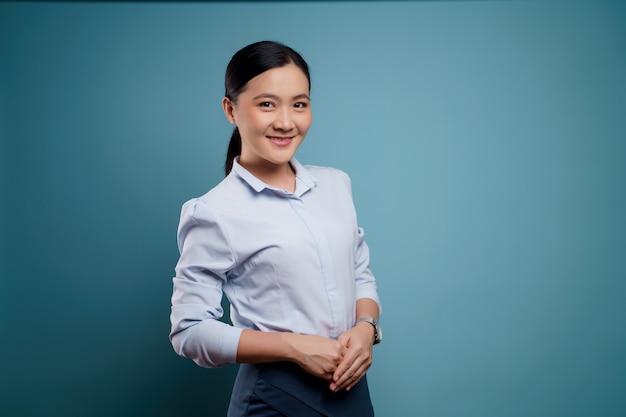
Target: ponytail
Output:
[(234, 149)]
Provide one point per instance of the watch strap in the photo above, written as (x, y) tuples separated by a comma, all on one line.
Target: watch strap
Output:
[(374, 323)]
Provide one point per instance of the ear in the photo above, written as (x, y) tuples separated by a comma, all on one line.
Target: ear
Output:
[(229, 110)]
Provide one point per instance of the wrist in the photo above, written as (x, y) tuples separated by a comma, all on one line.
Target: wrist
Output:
[(373, 323), (366, 328), (289, 350)]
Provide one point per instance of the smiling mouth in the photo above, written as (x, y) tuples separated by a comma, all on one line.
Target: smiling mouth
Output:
[(280, 139)]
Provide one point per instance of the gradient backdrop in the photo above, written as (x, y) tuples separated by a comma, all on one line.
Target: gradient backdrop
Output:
[(486, 141)]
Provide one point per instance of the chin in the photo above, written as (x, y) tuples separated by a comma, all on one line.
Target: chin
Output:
[(283, 158)]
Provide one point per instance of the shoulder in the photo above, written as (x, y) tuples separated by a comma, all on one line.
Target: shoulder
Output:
[(324, 174), (330, 183), (228, 194)]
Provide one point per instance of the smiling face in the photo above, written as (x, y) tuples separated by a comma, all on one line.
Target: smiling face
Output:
[(273, 115)]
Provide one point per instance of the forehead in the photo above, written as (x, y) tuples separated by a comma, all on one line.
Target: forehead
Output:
[(287, 80)]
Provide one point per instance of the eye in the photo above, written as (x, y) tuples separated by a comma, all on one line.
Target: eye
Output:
[(266, 104), (301, 105)]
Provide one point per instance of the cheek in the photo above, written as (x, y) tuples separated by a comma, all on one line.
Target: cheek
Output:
[(304, 121), (254, 120)]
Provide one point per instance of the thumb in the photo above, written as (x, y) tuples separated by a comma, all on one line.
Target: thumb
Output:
[(344, 339)]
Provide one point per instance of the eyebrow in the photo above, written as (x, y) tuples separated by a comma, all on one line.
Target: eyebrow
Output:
[(275, 97)]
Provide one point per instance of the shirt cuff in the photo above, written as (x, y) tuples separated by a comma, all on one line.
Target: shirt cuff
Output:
[(230, 343)]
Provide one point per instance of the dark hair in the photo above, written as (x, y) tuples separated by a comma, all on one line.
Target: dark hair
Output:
[(246, 64)]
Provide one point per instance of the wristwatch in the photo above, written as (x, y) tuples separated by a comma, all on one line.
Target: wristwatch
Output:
[(378, 333)]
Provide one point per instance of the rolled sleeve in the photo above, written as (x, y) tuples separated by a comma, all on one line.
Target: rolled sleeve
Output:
[(205, 256), (365, 282)]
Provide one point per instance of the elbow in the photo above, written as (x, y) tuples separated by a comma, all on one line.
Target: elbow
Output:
[(178, 344), (205, 344), (196, 352)]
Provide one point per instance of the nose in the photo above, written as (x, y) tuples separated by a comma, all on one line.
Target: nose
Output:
[(284, 120)]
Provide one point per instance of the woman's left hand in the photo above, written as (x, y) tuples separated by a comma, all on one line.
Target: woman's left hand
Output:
[(357, 359)]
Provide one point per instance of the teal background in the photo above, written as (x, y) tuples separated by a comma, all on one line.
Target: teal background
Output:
[(485, 141)]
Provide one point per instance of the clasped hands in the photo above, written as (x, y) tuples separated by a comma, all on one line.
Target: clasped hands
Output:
[(342, 362)]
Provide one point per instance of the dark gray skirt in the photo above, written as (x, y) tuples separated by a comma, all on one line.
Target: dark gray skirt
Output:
[(285, 389)]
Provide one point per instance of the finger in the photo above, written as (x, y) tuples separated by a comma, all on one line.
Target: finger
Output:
[(357, 377), (348, 378), (351, 380), (349, 387), (340, 376), (354, 377), (349, 375), (344, 365)]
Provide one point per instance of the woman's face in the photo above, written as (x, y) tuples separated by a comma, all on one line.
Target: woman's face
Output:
[(273, 114)]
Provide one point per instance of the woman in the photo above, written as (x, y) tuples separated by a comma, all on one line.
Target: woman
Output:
[(281, 241)]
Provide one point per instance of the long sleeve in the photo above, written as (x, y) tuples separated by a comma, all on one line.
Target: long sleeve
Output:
[(205, 257), (288, 262), (365, 282)]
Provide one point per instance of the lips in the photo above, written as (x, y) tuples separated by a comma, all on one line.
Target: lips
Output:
[(280, 140)]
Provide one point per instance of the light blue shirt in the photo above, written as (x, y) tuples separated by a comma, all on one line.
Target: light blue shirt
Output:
[(290, 262)]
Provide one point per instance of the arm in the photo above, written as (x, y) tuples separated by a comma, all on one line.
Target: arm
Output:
[(358, 342), (205, 257), (359, 339), (316, 354), (197, 333)]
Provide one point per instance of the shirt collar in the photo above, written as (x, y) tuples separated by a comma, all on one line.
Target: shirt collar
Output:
[(304, 179)]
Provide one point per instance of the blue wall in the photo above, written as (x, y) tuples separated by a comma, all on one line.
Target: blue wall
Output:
[(487, 146)]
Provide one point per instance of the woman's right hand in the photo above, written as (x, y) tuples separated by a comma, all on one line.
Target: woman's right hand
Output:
[(317, 355)]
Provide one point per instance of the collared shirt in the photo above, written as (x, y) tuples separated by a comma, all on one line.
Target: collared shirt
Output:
[(289, 262)]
